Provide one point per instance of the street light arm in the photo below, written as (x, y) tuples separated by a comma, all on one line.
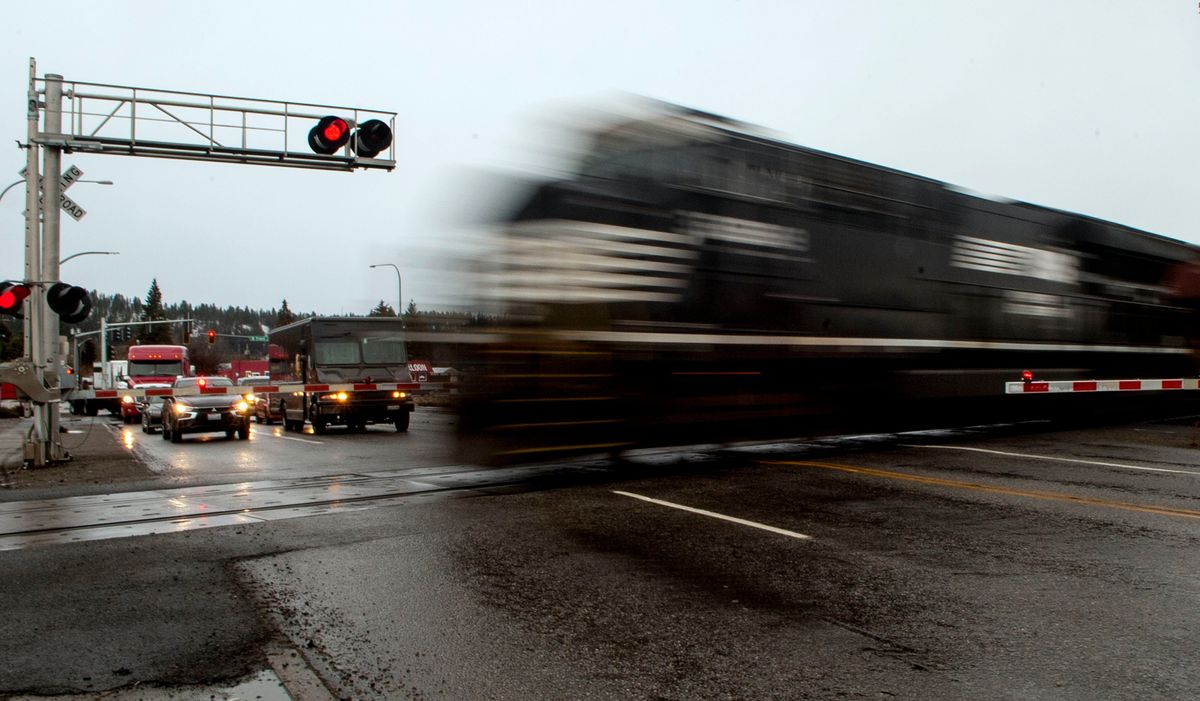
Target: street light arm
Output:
[(22, 180), (5, 192), (399, 286), (89, 253)]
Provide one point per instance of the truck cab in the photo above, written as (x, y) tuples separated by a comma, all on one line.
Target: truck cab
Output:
[(152, 366)]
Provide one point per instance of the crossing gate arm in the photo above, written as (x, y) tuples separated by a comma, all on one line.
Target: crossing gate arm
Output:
[(242, 389), (1083, 386)]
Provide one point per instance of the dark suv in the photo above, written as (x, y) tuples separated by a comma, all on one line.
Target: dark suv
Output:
[(223, 410)]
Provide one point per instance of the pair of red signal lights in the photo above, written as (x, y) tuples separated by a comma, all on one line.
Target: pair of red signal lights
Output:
[(331, 134), (72, 303)]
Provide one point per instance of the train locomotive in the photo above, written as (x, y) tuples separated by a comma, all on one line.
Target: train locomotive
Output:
[(694, 281)]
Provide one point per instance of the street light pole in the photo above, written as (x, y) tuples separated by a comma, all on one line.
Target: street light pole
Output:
[(399, 289)]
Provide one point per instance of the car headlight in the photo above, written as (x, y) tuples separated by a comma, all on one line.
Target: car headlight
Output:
[(336, 396), (249, 397), (182, 408), (399, 395), (127, 399), (241, 407)]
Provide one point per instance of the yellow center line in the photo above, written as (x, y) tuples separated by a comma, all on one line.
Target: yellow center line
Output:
[(956, 484)]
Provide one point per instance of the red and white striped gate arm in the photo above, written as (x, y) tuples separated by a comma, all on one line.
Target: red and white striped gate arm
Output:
[(241, 389), (1068, 386)]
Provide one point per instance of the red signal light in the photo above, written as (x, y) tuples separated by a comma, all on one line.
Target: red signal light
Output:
[(212, 336), (1027, 376), (12, 296), (335, 130), (202, 383), (329, 135)]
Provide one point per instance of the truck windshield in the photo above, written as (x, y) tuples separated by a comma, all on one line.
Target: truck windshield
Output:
[(376, 349), (162, 368)]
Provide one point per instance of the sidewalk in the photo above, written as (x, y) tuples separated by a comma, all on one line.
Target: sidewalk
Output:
[(97, 455)]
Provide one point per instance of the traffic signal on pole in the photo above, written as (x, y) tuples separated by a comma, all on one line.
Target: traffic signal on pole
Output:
[(12, 297), (71, 302), (332, 133), (212, 336), (372, 137)]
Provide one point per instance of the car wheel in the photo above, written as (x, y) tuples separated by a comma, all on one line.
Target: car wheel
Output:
[(402, 421)]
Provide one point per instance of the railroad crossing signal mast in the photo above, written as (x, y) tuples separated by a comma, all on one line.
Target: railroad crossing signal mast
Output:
[(132, 121)]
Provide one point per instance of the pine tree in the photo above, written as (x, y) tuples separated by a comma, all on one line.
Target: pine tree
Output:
[(285, 315), (382, 309), (153, 311)]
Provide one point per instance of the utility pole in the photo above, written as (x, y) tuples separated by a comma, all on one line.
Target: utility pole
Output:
[(51, 192), (36, 450)]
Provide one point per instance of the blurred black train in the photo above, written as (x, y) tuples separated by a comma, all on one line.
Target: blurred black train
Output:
[(695, 282)]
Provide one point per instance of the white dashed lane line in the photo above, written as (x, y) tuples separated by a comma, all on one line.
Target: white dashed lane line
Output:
[(723, 517)]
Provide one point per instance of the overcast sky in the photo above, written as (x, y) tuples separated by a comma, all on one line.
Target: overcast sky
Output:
[(1091, 106)]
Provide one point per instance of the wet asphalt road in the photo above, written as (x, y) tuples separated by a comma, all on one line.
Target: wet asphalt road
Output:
[(1057, 565), (272, 453)]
